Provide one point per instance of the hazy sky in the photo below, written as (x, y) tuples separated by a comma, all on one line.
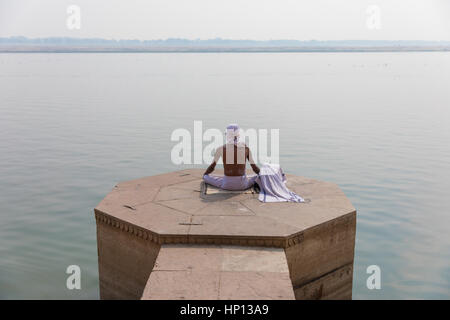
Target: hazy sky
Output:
[(233, 19)]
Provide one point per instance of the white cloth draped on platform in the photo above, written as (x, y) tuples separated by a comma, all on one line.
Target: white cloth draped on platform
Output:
[(272, 182)]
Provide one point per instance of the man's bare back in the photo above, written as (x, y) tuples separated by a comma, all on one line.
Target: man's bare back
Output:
[(234, 160)]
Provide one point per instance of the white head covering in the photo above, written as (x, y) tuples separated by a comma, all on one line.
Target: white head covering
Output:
[(233, 134)]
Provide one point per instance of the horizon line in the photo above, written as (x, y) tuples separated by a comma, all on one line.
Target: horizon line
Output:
[(17, 37)]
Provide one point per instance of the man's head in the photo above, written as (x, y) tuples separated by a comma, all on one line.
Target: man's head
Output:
[(232, 134)]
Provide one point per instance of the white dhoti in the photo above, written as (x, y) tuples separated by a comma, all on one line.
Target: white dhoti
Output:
[(230, 182)]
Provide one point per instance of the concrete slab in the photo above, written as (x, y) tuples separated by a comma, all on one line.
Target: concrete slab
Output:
[(254, 259), (250, 230), (201, 272), (130, 197), (174, 193), (255, 286), (187, 258), (182, 285), (162, 180), (161, 220), (226, 208), (188, 206), (194, 185)]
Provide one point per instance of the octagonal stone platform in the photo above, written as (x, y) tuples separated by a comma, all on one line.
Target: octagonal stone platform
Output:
[(137, 217)]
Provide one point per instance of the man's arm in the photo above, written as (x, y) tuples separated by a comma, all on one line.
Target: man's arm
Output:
[(212, 166), (252, 162)]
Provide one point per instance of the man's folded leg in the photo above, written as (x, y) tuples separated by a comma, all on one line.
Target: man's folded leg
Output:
[(251, 180), (215, 181)]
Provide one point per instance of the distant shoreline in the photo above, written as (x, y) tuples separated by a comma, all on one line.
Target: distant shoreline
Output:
[(20, 44), (211, 49)]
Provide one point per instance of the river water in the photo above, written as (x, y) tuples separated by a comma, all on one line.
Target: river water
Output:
[(73, 125)]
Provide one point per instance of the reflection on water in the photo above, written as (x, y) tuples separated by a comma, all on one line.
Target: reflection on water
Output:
[(72, 125)]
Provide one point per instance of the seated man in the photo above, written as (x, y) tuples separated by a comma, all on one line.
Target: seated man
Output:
[(235, 155)]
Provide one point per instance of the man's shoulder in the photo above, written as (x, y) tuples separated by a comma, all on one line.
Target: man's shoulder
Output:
[(240, 145)]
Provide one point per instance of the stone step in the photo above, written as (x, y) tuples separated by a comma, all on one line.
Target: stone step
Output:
[(199, 272)]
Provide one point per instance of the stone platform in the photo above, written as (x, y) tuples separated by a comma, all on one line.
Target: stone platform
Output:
[(206, 272), (138, 219)]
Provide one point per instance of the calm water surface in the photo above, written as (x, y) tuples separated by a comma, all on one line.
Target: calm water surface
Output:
[(73, 125)]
